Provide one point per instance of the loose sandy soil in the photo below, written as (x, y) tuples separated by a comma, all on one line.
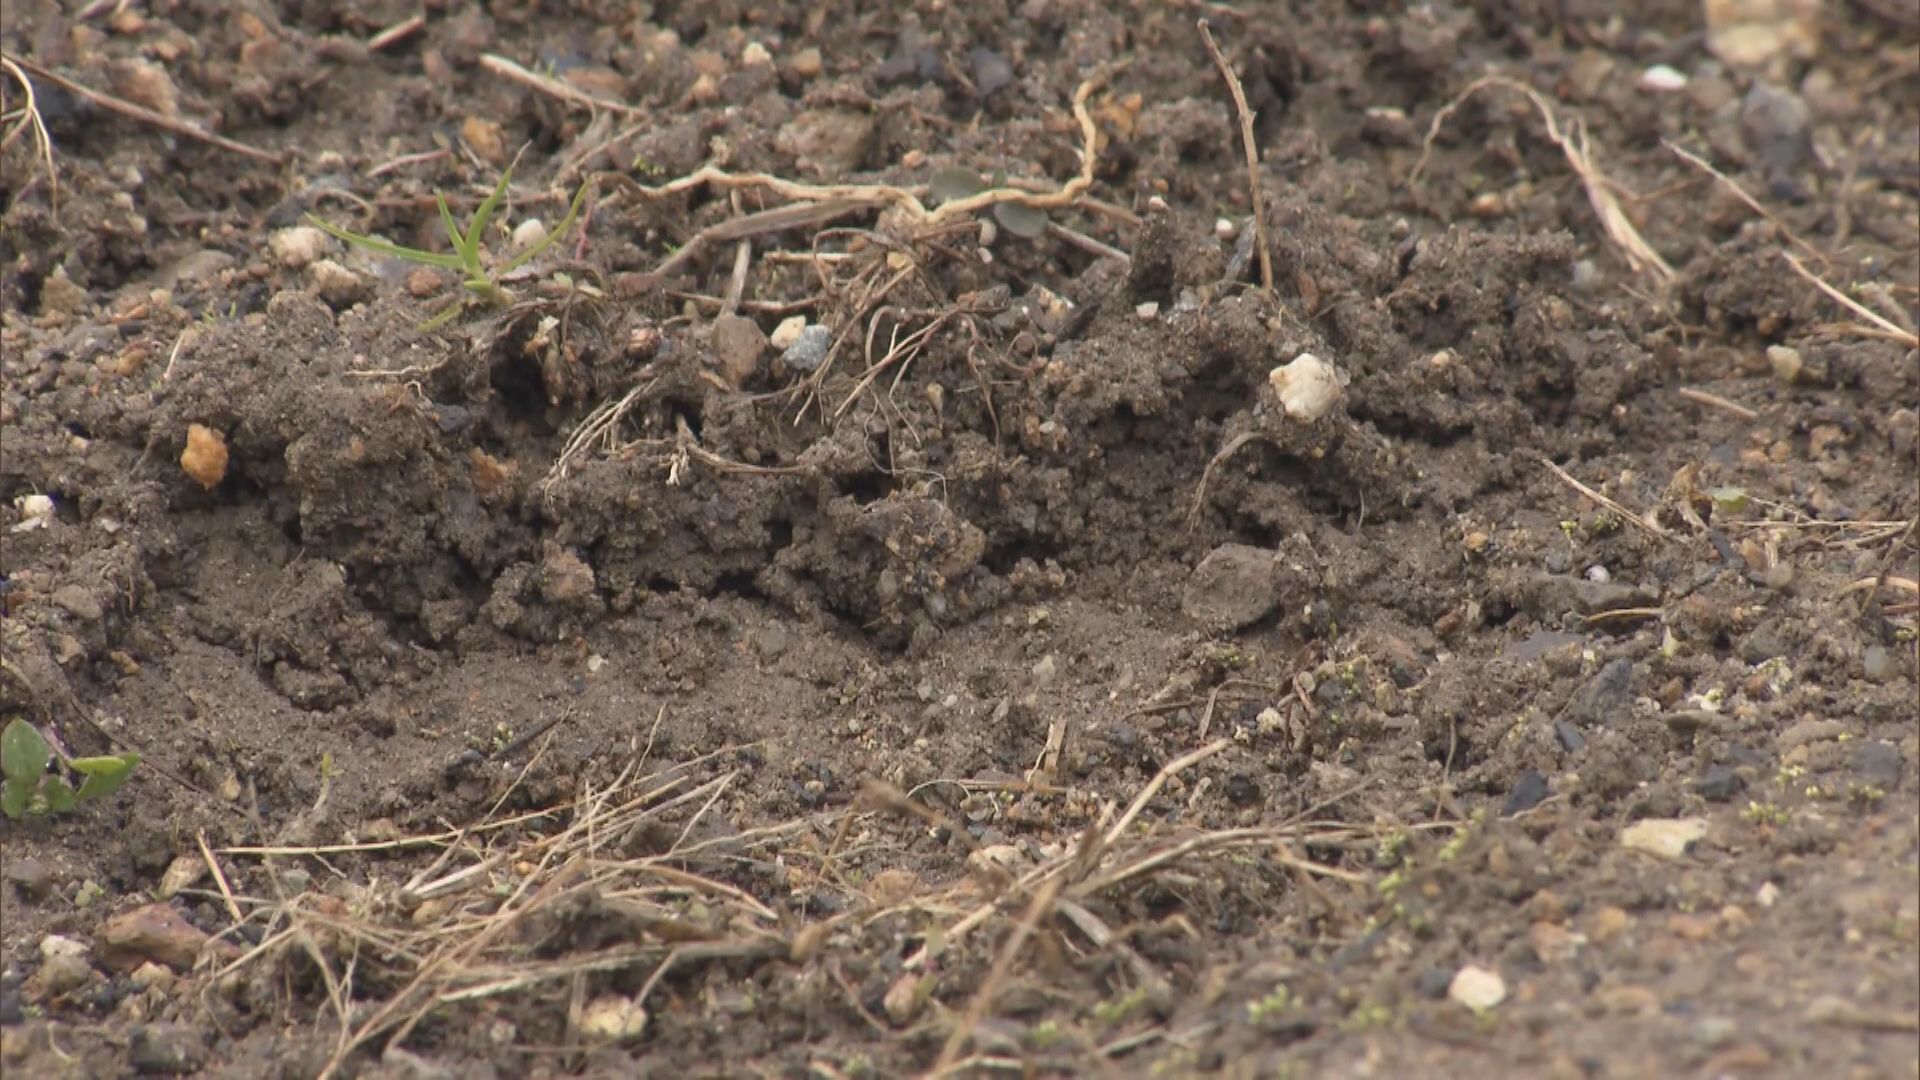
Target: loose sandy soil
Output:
[(588, 687)]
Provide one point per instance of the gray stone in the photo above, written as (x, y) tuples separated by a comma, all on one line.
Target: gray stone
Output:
[(1606, 695), (809, 350), (1529, 789), (1235, 586), (1719, 783), (30, 876), (1878, 763), (166, 1049)]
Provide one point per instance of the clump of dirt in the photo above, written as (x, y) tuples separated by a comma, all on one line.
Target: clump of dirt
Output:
[(860, 605)]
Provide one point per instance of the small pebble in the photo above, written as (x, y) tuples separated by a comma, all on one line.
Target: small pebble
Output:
[(167, 1049), (337, 285), (1719, 783), (1528, 792), (1477, 988), (1666, 837), (528, 234), (809, 350), (30, 876), (1147, 311), (1877, 663), (1787, 363), (787, 332), (806, 64), (1662, 79), (299, 247)]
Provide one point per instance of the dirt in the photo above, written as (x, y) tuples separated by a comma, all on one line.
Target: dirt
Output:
[(782, 722)]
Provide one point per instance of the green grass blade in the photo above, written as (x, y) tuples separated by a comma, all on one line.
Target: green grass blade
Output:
[(547, 241), (477, 228), (392, 251), (454, 227)]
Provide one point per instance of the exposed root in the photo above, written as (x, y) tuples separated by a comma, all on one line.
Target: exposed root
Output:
[(27, 118), (1573, 142), (1253, 155)]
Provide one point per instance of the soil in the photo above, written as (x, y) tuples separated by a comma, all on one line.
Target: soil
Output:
[(752, 717)]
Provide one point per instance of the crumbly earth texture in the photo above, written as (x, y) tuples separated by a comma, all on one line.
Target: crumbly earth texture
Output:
[(1001, 673)]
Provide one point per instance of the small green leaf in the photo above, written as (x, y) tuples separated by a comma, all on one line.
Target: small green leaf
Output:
[(1020, 219), (23, 753), (106, 765), (954, 183), (1728, 500), (60, 797), (381, 247), (104, 775), (13, 799)]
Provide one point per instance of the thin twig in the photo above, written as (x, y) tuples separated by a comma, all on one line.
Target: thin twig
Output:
[(1651, 527), (148, 116), (398, 31), (1896, 333), (1037, 910), (554, 88), (1740, 193), (1253, 155), (1579, 154), (219, 877), (1716, 401)]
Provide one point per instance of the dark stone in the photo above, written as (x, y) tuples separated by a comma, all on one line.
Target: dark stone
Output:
[(1719, 783), (1879, 764), (1242, 790), (1569, 737), (1433, 982), (1605, 696), (1528, 791)]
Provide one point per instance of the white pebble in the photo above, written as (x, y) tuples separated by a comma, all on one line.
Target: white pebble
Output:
[(1308, 387), (298, 247), (1477, 988), (528, 233), (787, 332), (1598, 574), (1148, 311), (1225, 229), (36, 512), (755, 54), (1662, 79)]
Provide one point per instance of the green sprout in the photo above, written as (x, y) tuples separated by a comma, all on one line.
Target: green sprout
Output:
[(479, 279), (29, 789)]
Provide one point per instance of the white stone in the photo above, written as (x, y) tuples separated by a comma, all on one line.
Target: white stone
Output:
[(787, 332), (1477, 988), (1665, 837), (1663, 79), (298, 247), (1308, 387)]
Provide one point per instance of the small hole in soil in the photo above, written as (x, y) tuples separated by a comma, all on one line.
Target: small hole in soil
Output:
[(737, 583), (870, 487)]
